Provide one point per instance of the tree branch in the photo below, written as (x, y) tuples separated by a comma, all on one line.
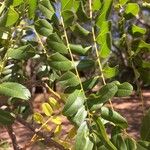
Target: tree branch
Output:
[(13, 137), (47, 138)]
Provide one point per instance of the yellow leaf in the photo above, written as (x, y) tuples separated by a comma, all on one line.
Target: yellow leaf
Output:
[(66, 144), (56, 120), (38, 118), (72, 133), (53, 102), (47, 127), (47, 109), (58, 130)]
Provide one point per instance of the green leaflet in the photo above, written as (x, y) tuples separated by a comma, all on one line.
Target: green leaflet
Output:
[(124, 89), (137, 31), (79, 30), (46, 8), (60, 62), (104, 39), (101, 132), (106, 92), (21, 53), (81, 14), (145, 127), (78, 49), (145, 64), (66, 4), (119, 142), (131, 10), (76, 5), (69, 79), (84, 64), (140, 46), (96, 5), (144, 45), (68, 18), (90, 83), (17, 2), (6, 118), (105, 27), (32, 8), (14, 90), (83, 141), (114, 117), (13, 2), (74, 101), (145, 144), (9, 18), (80, 116), (87, 85), (104, 13), (105, 44), (123, 2), (110, 72), (43, 27), (55, 43), (130, 143)]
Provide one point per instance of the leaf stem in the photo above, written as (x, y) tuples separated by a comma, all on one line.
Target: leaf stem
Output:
[(96, 49), (39, 39), (77, 73), (34, 137), (71, 55)]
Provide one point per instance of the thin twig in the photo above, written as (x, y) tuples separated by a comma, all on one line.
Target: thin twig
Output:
[(13, 137), (76, 70), (47, 138), (96, 49), (139, 89), (52, 91), (40, 128), (72, 59)]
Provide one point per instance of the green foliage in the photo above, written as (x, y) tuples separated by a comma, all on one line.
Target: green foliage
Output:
[(56, 44), (132, 9), (124, 89), (83, 141), (9, 18), (68, 79), (74, 101), (137, 31), (21, 53), (81, 47), (46, 8), (60, 62), (32, 8), (16, 90), (113, 117), (43, 27), (145, 131), (6, 118)]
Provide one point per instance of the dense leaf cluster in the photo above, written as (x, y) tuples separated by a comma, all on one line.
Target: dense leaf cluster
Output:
[(82, 47)]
